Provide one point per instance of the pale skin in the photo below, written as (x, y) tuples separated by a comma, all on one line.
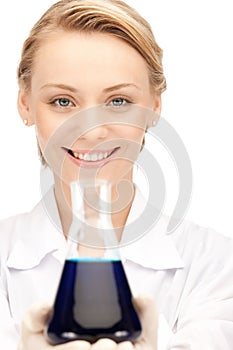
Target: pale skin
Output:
[(71, 81)]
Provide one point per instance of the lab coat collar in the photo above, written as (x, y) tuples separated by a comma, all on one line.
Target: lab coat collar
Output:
[(38, 235)]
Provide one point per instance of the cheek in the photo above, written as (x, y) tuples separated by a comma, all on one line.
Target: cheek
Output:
[(132, 133), (44, 133), (46, 128), (46, 122)]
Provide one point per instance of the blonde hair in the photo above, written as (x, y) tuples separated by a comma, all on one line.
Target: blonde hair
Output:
[(106, 16)]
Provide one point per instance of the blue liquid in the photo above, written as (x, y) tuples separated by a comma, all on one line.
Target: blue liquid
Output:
[(93, 301)]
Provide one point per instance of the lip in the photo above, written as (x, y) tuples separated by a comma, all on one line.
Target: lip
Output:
[(91, 164)]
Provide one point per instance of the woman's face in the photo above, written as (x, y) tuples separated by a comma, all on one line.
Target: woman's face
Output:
[(73, 72)]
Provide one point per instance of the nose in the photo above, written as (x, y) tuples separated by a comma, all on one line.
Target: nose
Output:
[(94, 123), (95, 133)]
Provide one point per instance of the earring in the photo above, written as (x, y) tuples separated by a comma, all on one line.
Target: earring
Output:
[(25, 121)]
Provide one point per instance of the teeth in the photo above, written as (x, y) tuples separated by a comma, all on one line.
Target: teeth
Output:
[(86, 157), (94, 157), (91, 157)]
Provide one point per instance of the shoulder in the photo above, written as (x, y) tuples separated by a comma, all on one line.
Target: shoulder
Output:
[(14, 229), (203, 246), (189, 234), (9, 226), (21, 225), (10, 231)]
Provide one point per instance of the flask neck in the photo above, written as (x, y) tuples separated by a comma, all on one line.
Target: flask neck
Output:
[(91, 233)]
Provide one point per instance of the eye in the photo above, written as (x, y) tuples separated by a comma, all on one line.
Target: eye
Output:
[(118, 102), (62, 102)]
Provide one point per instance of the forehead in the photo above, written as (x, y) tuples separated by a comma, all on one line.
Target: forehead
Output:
[(83, 56)]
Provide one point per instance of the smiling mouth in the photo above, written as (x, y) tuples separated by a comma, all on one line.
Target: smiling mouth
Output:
[(91, 156)]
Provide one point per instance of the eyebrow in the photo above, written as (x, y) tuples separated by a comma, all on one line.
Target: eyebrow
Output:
[(106, 90), (60, 86), (120, 86)]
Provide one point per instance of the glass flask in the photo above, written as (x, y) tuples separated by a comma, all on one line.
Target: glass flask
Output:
[(93, 299)]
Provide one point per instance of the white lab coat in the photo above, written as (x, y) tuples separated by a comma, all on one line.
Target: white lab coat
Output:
[(189, 273)]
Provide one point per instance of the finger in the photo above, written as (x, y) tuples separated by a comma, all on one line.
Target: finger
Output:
[(126, 345), (147, 311), (74, 345), (104, 344), (36, 318)]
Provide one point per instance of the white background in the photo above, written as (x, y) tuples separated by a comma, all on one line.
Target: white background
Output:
[(196, 37)]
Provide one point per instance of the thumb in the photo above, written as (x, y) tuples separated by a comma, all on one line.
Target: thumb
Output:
[(36, 318), (148, 315)]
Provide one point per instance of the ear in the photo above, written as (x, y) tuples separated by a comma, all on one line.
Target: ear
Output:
[(24, 107), (157, 106)]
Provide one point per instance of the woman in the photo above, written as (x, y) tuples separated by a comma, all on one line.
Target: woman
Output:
[(82, 57)]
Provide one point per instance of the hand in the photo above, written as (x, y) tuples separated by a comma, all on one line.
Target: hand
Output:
[(32, 336)]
